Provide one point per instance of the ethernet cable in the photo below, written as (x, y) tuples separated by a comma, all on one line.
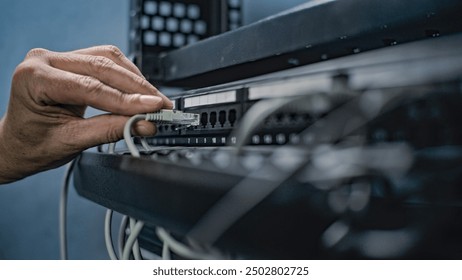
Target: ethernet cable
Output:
[(63, 211), (145, 144), (132, 238), (122, 235), (161, 117), (107, 235), (171, 244), (136, 246), (164, 116)]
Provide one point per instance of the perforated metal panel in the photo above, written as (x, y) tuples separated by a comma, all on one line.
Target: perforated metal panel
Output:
[(159, 26)]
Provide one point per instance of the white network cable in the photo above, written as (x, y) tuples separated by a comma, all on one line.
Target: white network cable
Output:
[(122, 235), (136, 246), (132, 238), (145, 144), (108, 236), (162, 117), (171, 244), (63, 211)]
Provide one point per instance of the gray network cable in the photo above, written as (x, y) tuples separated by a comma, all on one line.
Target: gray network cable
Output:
[(164, 116), (132, 238), (63, 211), (108, 236)]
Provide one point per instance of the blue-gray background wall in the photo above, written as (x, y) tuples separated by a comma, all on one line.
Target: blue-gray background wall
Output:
[(29, 208)]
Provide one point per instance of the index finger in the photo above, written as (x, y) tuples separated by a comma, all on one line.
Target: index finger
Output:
[(114, 54)]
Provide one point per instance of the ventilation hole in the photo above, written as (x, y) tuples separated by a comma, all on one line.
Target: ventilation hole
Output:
[(194, 12), (172, 24), (144, 23), (234, 16), (179, 10), (192, 39), (186, 26), (165, 39), (150, 7), (158, 23), (179, 40), (234, 3), (150, 38), (200, 27), (165, 9), (132, 35)]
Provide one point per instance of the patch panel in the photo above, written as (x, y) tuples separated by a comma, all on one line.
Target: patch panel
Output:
[(220, 113)]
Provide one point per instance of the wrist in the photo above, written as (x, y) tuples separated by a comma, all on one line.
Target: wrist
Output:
[(7, 174)]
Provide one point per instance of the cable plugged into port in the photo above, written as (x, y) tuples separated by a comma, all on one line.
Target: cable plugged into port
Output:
[(174, 117)]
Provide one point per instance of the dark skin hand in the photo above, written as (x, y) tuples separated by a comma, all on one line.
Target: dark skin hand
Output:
[(44, 126)]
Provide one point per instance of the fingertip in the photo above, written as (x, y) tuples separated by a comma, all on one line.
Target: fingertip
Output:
[(168, 104), (153, 103), (145, 128)]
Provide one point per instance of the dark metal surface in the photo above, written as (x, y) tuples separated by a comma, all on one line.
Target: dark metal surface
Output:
[(176, 196), (172, 190), (309, 34)]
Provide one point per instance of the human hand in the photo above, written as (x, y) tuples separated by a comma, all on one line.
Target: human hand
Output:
[(44, 126)]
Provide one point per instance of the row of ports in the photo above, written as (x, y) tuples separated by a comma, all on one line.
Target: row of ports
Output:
[(218, 119), (167, 128), (226, 119), (214, 119), (290, 119)]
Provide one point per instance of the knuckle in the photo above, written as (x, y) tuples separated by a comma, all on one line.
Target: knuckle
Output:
[(29, 73), (113, 134), (37, 52), (142, 83), (121, 99), (114, 51), (25, 69), (101, 64), (90, 84)]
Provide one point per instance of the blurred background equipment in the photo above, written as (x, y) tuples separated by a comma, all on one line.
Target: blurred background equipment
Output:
[(330, 130)]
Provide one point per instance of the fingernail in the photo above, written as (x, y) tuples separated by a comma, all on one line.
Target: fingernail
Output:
[(151, 101)]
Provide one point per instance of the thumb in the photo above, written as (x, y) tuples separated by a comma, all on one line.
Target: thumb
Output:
[(108, 128)]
